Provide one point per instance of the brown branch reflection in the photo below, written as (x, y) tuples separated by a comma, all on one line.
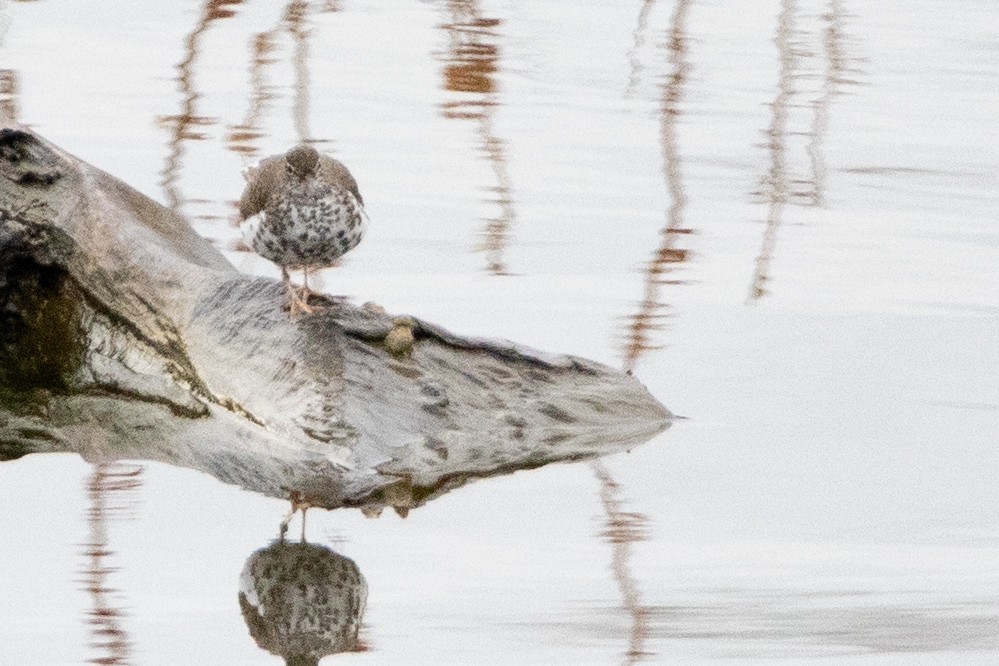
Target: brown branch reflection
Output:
[(622, 529), (108, 491), (183, 125), (472, 60), (242, 138), (775, 182), (9, 91), (667, 256)]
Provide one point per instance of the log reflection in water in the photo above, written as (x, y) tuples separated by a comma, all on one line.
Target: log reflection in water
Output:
[(182, 125), (775, 188), (667, 256), (622, 529), (472, 60), (109, 491)]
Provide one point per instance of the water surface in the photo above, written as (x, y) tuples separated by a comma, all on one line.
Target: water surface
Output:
[(780, 214)]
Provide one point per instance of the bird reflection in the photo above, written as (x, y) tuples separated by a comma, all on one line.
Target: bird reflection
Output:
[(622, 529), (183, 125), (667, 257), (108, 491), (302, 601), (298, 503), (8, 96), (472, 60)]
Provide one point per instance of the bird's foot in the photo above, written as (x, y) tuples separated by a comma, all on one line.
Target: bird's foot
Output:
[(298, 301)]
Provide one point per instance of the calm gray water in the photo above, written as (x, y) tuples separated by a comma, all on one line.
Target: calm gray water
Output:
[(781, 214)]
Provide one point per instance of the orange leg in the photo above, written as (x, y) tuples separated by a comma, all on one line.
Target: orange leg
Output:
[(298, 298)]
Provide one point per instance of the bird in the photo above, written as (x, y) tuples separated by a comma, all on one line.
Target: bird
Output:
[(301, 210), (302, 601)]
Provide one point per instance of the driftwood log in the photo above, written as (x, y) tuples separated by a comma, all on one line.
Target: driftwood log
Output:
[(125, 335)]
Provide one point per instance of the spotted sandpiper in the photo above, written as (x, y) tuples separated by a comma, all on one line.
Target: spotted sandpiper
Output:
[(301, 210)]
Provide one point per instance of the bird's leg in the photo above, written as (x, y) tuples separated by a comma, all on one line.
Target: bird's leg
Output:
[(298, 503), (302, 298), (287, 519), (292, 298), (296, 302), (286, 280), (304, 293)]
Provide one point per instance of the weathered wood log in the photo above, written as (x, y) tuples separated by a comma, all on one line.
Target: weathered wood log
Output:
[(124, 334)]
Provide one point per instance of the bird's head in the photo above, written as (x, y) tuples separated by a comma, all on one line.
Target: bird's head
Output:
[(302, 161)]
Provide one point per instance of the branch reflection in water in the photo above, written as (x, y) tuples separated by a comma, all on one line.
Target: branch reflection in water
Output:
[(295, 18), (472, 60), (667, 256), (242, 138), (634, 55), (833, 78), (182, 125), (110, 491), (778, 187), (622, 529), (775, 183)]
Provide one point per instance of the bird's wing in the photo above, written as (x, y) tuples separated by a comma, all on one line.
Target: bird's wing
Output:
[(336, 174), (261, 181)]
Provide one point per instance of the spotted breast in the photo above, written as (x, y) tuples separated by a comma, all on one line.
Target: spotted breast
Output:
[(308, 224)]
